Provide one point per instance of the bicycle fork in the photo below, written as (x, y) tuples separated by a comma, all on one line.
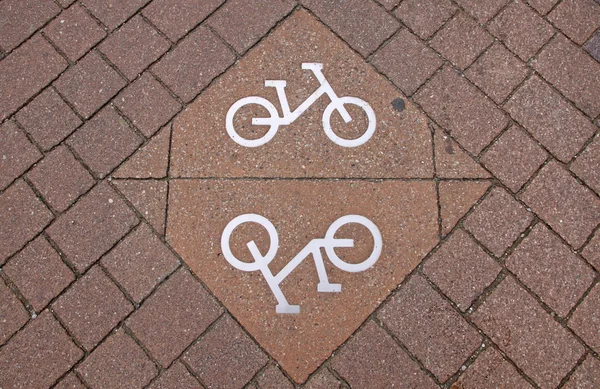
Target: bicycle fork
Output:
[(314, 248), (288, 116)]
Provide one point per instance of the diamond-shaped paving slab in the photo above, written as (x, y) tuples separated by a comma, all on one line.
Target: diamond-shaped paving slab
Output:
[(307, 181)]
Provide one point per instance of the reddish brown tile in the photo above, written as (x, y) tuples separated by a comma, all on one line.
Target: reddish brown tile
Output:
[(406, 61), (70, 382), (527, 334), (117, 363), (461, 269), (573, 72), (417, 315), (113, 13), (461, 40), (225, 357), (17, 153), (242, 23), (26, 71), (22, 216), (542, 6), (577, 19), (134, 46), (551, 269), (482, 10), (562, 129), (323, 379), (586, 165), (39, 273), (498, 221), (13, 314), (176, 18), (455, 104), (453, 162), (140, 262), (371, 359), (362, 24), (404, 212), (497, 72), (521, 29), (92, 226), (37, 356), (92, 307), (425, 17), (48, 119), (586, 318), (89, 84), (149, 197), (151, 160), (569, 208), (176, 377), (514, 157), (147, 104), (592, 251), (199, 58), (74, 32), (389, 4), (400, 145), (587, 375), (174, 316), (457, 198), (490, 370), (273, 378), (593, 46), (104, 141), (20, 18), (60, 178)]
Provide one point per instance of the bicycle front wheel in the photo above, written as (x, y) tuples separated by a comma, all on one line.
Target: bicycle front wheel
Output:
[(350, 142), (377, 243), (237, 138)]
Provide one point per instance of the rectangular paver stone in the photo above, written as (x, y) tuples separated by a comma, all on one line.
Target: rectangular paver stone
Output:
[(17, 153), (26, 71), (573, 72), (425, 17), (92, 307), (74, 32), (527, 334), (568, 207), (48, 119), (482, 10), (39, 273), (455, 104), (92, 226), (417, 315), (372, 359), (361, 23), (577, 19), (242, 23), (22, 216), (225, 357), (174, 316), (89, 84), (37, 356), (60, 178), (586, 317), (13, 314), (134, 46), (199, 58), (560, 127), (113, 13), (20, 18)]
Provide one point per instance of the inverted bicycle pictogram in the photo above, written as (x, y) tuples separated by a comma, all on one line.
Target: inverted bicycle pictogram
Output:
[(275, 121), (329, 243)]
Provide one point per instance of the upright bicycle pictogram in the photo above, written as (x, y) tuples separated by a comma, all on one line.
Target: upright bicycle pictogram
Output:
[(329, 243), (274, 121)]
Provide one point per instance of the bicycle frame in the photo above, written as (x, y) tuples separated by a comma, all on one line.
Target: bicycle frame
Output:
[(288, 116)]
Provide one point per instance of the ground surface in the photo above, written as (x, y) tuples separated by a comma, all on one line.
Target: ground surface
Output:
[(117, 179)]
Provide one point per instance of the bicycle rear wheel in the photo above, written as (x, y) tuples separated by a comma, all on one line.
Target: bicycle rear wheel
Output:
[(237, 138)]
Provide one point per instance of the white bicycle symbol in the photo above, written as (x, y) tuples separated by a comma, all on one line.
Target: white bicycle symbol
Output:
[(261, 262), (274, 121)]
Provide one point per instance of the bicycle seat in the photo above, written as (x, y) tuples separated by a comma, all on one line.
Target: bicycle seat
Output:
[(312, 65)]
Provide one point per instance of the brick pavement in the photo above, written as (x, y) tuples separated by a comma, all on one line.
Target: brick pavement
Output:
[(94, 294)]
